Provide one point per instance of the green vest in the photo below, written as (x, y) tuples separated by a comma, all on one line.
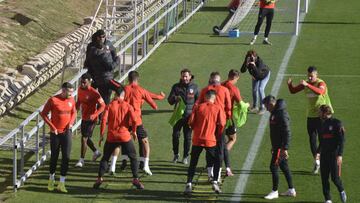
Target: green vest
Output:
[(178, 113), (316, 100)]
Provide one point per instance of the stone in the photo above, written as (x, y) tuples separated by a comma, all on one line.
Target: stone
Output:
[(29, 71)]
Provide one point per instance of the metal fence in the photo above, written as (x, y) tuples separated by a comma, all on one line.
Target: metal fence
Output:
[(134, 48)]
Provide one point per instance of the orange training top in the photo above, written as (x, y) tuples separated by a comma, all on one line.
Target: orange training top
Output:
[(264, 5), (90, 102)]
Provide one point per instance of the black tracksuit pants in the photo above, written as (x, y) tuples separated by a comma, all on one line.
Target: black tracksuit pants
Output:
[(195, 154), (267, 13), (274, 166), (182, 123), (128, 147), (60, 141), (328, 165), (105, 89), (313, 124)]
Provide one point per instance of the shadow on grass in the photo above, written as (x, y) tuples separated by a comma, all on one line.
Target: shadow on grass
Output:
[(206, 43), (149, 112)]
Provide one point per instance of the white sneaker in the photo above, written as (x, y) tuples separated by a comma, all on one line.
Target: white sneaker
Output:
[(254, 109), (252, 42), (79, 164), (216, 187), (266, 41), (96, 156), (272, 195), (186, 160), (290, 193), (316, 168), (188, 189), (328, 201), (343, 196), (147, 170)]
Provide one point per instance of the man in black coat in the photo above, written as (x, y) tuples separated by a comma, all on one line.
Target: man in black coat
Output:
[(188, 92), (280, 138)]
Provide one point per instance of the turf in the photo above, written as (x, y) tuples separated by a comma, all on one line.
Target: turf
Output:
[(328, 40)]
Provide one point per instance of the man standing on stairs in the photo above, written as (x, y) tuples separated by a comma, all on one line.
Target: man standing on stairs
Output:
[(91, 104), (63, 115)]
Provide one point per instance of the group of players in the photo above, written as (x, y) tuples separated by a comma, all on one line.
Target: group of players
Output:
[(206, 123)]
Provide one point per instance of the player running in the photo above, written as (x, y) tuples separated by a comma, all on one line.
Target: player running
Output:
[(63, 115), (91, 104)]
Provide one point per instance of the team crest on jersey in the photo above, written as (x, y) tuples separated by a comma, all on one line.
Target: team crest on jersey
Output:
[(70, 104), (191, 91), (330, 128), (87, 97)]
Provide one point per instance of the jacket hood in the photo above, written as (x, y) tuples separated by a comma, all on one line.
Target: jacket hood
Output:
[(280, 104)]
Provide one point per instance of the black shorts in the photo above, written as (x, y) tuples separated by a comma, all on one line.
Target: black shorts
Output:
[(140, 131), (87, 128)]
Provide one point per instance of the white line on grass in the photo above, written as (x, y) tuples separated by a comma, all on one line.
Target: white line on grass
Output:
[(321, 75), (254, 148)]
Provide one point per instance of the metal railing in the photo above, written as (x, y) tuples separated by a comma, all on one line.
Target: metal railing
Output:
[(159, 25)]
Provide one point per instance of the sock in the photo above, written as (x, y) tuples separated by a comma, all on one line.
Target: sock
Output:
[(210, 171), (97, 152), (124, 157), (255, 36), (146, 162), (52, 176), (113, 163), (188, 184), (81, 160), (317, 161), (219, 175), (62, 179), (228, 169), (266, 39)]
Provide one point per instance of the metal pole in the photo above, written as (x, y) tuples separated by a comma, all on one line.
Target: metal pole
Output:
[(22, 152), (15, 162), (37, 137), (43, 139), (106, 15), (297, 18), (184, 9), (306, 6)]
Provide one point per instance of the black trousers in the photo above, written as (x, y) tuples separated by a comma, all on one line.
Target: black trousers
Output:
[(128, 147), (182, 123), (267, 13), (312, 128), (219, 156), (60, 141), (195, 154), (87, 128), (328, 165), (274, 166), (105, 89), (141, 134)]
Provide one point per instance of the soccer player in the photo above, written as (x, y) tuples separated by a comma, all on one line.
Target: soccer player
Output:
[(224, 101), (188, 92), (63, 114), (91, 104), (119, 116), (332, 138), (233, 77), (207, 121), (135, 95), (267, 8), (280, 140), (317, 93)]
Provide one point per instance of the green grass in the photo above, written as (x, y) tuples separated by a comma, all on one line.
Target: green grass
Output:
[(328, 40)]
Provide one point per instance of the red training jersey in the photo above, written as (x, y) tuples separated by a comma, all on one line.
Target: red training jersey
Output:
[(63, 113), (90, 102), (136, 96), (222, 98), (319, 89), (264, 5), (207, 121), (119, 116), (234, 92)]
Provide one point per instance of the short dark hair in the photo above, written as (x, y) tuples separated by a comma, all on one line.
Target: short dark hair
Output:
[(326, 109), (214, 74), (311, 69), (269, 99), (86, 76), (233, 73), (251, 52), (185, 70), (133, 75), (118, 91), (99, 32), (210, 93), (67, 85)]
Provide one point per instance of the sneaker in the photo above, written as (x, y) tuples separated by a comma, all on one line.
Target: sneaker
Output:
[(141, 165), (98, 182), (185, 160), (210, 179), (316, 168), (188, 189), (123, 164), (51, 185), (216, 187), (229, 173), (254, 110), (96, 156), (79, 164), (252, 42), (232, 10), (272, 195), (147, 170), (328, 201), (343, 196), (290, 193), (136, 182), (176, 158), (266, 41), (61, 187), (261, 111)]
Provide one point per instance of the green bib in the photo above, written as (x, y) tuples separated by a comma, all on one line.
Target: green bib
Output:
[(316, 100), (178, 112)]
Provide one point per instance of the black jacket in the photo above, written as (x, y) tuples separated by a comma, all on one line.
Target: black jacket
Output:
[(188, 92), (259, 72), (332, 137), (280, 126)]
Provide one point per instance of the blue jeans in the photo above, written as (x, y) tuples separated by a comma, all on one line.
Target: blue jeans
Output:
[(258, 89)]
